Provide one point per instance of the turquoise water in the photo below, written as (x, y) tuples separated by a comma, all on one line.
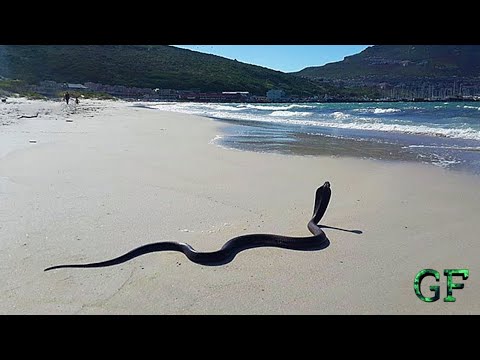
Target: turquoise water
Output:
[(444, 134)]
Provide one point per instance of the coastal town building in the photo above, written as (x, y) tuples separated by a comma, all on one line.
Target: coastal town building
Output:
[(416, 90), (76, 87), (275, 95)]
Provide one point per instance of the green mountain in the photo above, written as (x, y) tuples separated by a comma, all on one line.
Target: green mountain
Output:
[(403, 63), (158, 66)]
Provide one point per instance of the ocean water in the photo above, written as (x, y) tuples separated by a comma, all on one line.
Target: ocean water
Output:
[(443, 134)]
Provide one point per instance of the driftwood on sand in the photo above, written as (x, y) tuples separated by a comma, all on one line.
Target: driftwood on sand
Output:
[(28, 116)]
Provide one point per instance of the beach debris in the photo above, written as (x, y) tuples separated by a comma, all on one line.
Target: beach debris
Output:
[(28, 116), (4, 100), (32, 141), (69, 120), (185, 230)]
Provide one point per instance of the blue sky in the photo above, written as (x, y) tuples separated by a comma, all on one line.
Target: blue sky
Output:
[(286, 58)]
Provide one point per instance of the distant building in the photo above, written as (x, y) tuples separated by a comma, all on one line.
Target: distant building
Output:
[(243, 93), (76, 87), (225, 96), (47, 88), (166, 94), (256, 98), (275, 95)]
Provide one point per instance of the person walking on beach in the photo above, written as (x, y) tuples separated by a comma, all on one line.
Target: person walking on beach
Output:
[(67, 97), (76, 100)]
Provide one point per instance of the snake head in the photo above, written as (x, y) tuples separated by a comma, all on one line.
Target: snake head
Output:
[(321, 195), (320, 191)]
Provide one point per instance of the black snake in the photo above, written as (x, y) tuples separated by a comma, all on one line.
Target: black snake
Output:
[(235, 245)]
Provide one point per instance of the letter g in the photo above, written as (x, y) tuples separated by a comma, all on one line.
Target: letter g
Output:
[(418, 281)]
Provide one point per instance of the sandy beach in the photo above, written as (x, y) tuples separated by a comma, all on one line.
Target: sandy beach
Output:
[(114, 177)]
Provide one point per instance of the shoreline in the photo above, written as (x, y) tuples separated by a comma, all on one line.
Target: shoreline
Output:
[(118, 177), (366, 133), (224, 141)]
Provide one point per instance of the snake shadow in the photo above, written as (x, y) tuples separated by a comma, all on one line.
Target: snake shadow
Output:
[(314, 246), (359, 232), (202, 258), (225, 258)]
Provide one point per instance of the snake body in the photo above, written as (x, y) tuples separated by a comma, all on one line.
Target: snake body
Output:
[(235, 245)]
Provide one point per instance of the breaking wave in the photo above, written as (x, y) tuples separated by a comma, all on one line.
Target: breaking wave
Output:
[(344, 116)]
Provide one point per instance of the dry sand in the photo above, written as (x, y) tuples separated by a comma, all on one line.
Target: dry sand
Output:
[(118, 176)]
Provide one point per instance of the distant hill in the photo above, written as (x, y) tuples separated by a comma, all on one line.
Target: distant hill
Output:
[(156, 66), (402, 63)]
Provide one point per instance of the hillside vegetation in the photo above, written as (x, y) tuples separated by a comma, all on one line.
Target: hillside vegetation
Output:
[(402, 62), (152, 66)]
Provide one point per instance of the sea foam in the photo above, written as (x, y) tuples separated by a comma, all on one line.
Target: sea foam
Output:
[(283, 114)]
